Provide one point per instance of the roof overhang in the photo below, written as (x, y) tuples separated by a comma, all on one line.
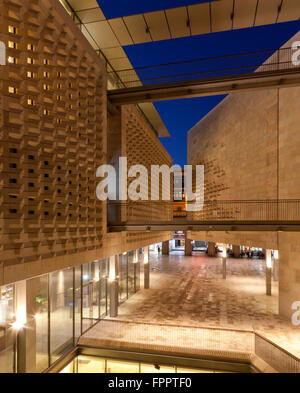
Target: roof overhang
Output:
[(110, 35)]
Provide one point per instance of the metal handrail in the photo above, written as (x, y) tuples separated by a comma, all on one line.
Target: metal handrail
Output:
[(277, 357), (272, 51), (284, 210), (282, 61)]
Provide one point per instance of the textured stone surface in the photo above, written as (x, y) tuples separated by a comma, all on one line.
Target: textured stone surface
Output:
[(136, 336), (141, 147), (53, 132), (53, 135), (250, 146)]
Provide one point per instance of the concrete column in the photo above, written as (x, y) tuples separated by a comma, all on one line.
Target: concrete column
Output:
[(146, 268), (135, 262), (224, 261), (188, 246), (268, 273), (224, 267), (276, 266), (113, 296), (113, 286), (236, 251), (26, 333), (211, 249), (165, 248)]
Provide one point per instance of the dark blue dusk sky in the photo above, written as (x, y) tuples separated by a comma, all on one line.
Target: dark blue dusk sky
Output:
[(118, 8), (180, 115)]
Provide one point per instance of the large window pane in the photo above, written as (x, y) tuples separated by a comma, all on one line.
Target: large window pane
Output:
[(77, 304), (71, 368), (155, 368), (131, 273), (91, 364), (7, 311), (123, 293), (119, 366), (138, 269), (87, 309), (95, 282), (103, 287), (40, 287), (183, 370), (61, 317), (90, 294)]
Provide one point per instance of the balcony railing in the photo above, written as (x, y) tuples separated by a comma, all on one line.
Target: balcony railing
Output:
[(278, 358), (251, 210), (266, 61), (204, 342), (285, 210)]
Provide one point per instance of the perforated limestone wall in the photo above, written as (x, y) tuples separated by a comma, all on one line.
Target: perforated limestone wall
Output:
[(53, 137), (142, 147)]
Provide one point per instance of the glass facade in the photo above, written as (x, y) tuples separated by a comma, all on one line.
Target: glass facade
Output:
[(100, 365), (129, 274), (63, 305), (41, 288), (94, 292), (123, 284), (61, 313), (77, 303)]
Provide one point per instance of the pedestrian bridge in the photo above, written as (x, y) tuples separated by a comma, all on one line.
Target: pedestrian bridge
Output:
[(218, 215), (203, 77)]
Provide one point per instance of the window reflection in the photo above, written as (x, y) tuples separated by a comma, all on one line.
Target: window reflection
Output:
[(131, 273), (7, 311), (63, 305), (70, 368), (87, 297), (61, 312), (94, 292), (122, 277), (40, 287), (91, 365), (156, 368), (77, 302), (103, 274), (95, 364), (119, 366)]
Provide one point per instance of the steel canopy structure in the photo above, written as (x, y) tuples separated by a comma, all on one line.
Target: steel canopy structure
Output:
[(110, 35), (206, 87)]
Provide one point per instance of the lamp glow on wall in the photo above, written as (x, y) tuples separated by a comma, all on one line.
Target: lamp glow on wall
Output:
[(18, 324), (224, 251), (111, 277), (21, 310), (112, 269), (276, 254), (146, 255), (269, 259), (21, 318)]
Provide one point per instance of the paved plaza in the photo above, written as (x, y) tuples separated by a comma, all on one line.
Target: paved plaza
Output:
[(190, 291)]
